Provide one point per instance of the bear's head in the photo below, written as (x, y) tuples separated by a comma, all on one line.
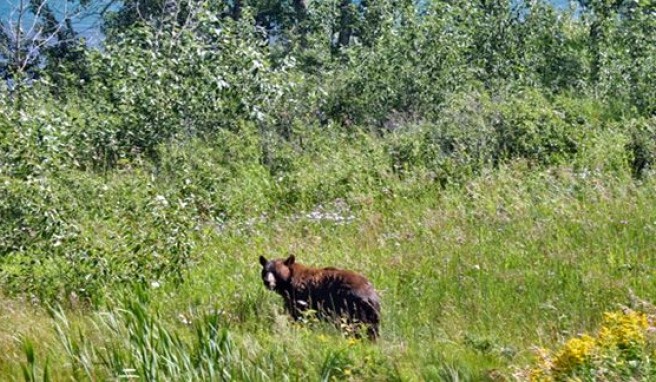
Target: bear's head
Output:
[(277, 273)]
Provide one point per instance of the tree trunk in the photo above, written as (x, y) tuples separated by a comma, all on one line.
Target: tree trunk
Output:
[(300, 9), (596, 39), (345, 27), (236, 10)]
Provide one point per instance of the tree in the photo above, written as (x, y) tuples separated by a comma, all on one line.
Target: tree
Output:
[(36, 38), (133, 12)]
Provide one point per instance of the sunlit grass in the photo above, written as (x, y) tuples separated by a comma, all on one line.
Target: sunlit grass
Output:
[(471, 279)]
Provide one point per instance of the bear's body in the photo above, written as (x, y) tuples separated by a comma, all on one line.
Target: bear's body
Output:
[(333, 293)]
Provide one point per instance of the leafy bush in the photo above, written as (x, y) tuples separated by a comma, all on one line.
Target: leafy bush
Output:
[(530, 127), (34, 212), (627, 55), (474, 132), (27, 147), (164, 80), (642, 145), (75, 237), (463, 140), (413, 65)]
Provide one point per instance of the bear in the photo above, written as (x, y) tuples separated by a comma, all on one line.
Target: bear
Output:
[(330, 292)]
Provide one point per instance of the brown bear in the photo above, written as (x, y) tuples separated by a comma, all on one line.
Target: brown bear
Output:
[(332, 293)]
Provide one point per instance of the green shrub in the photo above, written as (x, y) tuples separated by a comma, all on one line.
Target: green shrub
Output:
[(642, 145), (529, 126), (78, 235), (473, 132), (34, 212), (156, 82)]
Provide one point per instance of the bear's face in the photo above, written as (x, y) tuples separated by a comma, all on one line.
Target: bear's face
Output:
[(276, 273)]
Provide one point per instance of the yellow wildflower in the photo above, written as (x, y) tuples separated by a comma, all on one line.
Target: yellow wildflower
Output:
[(540, 374), (622, 335), (623, 329), (574, 353)]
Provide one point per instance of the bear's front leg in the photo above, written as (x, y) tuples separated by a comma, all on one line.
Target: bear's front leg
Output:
[(295, 308)]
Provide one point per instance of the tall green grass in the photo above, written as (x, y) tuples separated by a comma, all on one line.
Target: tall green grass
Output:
[(471, 278)]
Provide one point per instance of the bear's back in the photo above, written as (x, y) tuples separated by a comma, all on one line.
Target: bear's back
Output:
[(332, 283), (332, 277)]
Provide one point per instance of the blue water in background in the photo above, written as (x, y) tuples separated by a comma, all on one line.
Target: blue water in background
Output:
[(87, 22)]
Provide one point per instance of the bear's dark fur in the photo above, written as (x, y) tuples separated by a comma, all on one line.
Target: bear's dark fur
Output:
[(332, 293)]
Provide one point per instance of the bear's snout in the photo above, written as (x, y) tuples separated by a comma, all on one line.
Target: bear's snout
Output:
[(269, 280)]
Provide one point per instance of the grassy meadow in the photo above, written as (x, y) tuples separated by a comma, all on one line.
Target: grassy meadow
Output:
[(473, 279)]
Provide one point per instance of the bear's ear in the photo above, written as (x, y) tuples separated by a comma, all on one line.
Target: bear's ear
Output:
[(263, 260), (289, 261)]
